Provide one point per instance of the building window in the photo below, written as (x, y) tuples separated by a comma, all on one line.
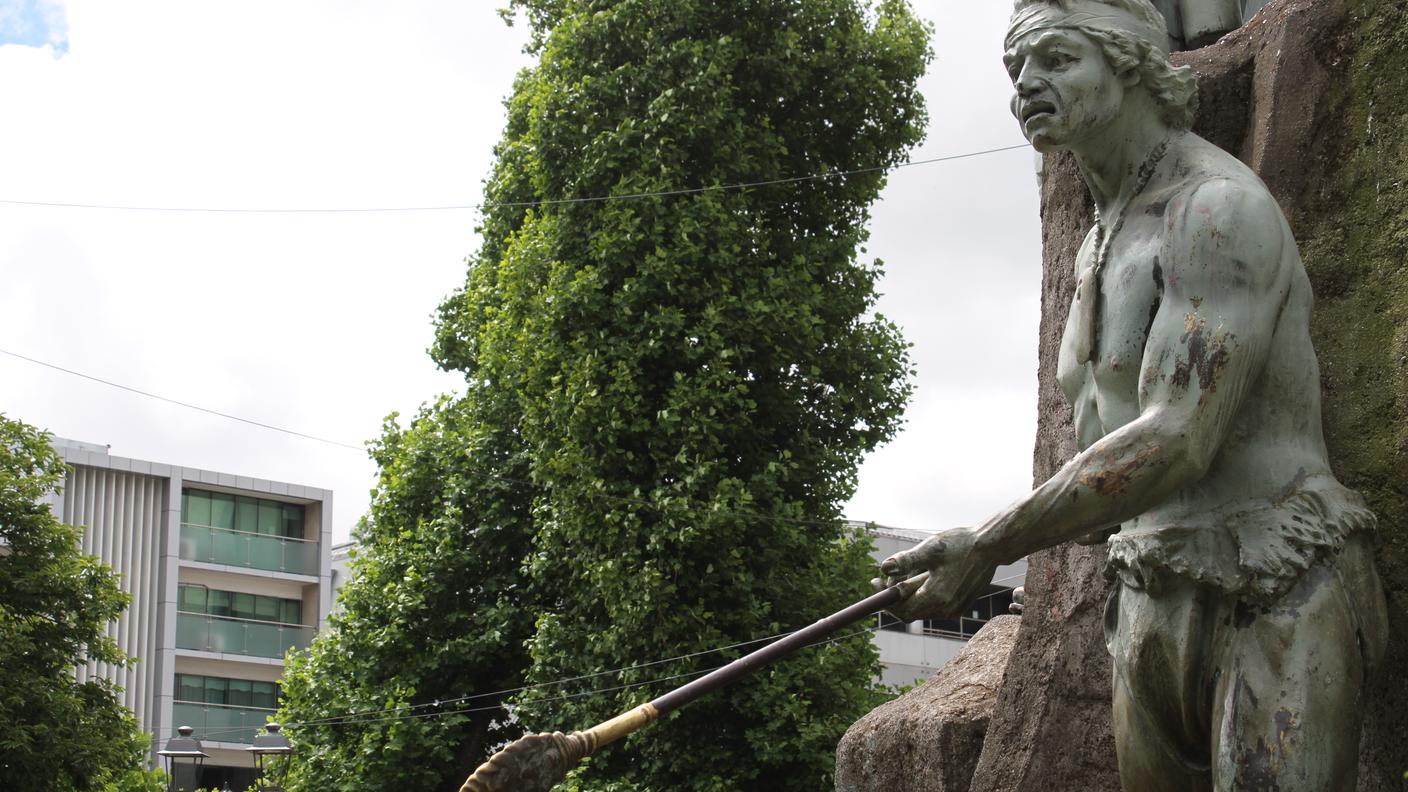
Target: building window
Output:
[(238, 605), (991, 603), (241, 513), (197, 689)]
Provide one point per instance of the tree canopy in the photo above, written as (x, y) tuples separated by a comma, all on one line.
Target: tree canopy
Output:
[(437, 608), (670, 382), (56, 603)]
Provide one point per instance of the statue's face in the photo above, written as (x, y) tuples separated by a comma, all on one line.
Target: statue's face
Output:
[(1065, 90)]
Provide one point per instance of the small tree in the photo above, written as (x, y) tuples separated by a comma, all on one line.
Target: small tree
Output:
[(435, 609), (58, 734)]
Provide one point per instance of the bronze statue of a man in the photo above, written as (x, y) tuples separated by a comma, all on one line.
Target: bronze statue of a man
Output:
[(1246, 610)]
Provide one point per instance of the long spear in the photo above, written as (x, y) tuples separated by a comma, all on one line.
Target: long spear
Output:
[(537, 763)]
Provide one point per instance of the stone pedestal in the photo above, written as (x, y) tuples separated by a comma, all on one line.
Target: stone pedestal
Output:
[(929, 739)]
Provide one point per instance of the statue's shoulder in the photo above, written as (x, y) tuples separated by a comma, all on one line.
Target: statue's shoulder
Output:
[(1214, 184), (1222, 229), (1216, 203)]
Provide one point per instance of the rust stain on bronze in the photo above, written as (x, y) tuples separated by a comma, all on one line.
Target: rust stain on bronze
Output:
[(1256, 769), (1182, 373), (1287, 727), (1207, 355), (1113, 480)]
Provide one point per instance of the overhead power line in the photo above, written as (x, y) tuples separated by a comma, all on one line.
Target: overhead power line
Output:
[(767, 518), (482, 475), (440, 707), (187, 405), (439, 703), (446, 706), (508, 204)]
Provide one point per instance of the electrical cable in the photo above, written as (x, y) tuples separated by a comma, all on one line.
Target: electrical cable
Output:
[(524, 204), (508, 204), (356, 719), (438, 703), (181, 403), (510, 691), (775, 519)]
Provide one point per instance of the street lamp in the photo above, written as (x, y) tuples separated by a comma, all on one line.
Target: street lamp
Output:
[(266, 746), (179, 748)]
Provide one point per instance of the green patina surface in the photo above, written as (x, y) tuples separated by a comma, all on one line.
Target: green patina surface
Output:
[(1354, 235)]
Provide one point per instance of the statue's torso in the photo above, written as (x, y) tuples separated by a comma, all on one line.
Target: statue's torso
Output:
[(1273, 457)]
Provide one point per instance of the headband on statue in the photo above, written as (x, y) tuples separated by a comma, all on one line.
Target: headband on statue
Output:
[(1082, 14)]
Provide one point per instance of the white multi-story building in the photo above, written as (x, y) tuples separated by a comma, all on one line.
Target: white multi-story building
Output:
[(226, 574), (914, 651), (341, 568)]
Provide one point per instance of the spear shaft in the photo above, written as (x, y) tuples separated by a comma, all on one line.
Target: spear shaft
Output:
[(539, 761)]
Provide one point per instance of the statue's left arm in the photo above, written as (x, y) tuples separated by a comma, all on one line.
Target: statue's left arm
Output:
[(1224, 284)]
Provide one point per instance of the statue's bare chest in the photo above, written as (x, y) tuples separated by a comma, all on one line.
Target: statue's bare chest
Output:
[(1102, 349)]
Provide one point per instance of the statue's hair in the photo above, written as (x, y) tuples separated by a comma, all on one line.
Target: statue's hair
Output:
[(1173, 88)]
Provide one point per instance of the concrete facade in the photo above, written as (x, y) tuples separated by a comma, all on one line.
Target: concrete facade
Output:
[(188, 578)]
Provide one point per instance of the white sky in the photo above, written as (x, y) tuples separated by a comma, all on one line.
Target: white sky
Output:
[(319, 322)]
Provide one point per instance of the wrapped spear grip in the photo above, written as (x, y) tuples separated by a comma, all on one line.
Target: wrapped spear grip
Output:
[(538, 762)]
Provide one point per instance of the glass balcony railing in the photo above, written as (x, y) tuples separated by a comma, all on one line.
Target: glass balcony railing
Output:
[(249, 550), (207, 633), (220, 722)]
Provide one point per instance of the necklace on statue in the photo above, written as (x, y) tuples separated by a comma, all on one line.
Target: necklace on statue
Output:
[(1088, 288)]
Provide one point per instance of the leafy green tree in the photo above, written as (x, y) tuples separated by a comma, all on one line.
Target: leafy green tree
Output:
[(698, 371), (666, 401), (435, 609), (55, 605)]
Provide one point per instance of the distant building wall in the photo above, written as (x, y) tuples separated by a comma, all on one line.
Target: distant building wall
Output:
[(225, 572)]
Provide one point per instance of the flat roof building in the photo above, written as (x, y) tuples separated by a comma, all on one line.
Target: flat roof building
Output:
[(226, 573)]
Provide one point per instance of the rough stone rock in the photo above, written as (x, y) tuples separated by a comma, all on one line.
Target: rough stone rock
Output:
[(928, 740), (1313, 95)]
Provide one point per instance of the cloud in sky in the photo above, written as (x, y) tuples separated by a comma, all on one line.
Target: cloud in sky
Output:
[(34, 23)]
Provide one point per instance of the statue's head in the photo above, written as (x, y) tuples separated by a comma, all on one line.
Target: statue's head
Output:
[(1073, 62)]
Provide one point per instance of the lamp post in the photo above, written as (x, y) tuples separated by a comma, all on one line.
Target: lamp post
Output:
[(267, 746), (178, 749)]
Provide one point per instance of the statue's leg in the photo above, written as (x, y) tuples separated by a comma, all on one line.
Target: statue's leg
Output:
[(1287, 702), (1159, 646), (1146, 761)]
